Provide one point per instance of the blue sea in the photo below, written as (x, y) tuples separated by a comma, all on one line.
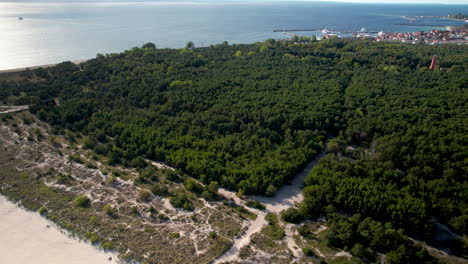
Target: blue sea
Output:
[(52, 32)]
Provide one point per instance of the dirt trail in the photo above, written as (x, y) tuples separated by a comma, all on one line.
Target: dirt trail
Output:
[(12, 109), (286, 197)]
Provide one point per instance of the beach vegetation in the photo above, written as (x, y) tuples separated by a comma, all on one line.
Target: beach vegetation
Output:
[(82, 201), (144, 195)]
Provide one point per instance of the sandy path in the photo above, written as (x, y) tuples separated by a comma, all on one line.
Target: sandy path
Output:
[(11, 109), (290, 194), (285, 198), (26, 239)]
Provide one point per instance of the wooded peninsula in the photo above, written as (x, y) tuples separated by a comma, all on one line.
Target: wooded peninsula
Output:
[(250, 117)]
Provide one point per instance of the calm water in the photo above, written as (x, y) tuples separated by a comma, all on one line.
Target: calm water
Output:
[(54, 31)]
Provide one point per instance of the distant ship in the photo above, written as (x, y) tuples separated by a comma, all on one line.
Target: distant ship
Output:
[(20, 18)]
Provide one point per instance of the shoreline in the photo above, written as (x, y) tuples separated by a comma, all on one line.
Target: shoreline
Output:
[(29, 238), (77, 62)]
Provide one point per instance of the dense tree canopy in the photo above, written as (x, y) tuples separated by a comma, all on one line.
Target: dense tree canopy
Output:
[(251, 116)]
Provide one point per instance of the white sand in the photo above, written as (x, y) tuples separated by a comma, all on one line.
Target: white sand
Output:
[(25, 239)]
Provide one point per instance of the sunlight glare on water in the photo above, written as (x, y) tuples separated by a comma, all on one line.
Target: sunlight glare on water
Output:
[(52, 32)]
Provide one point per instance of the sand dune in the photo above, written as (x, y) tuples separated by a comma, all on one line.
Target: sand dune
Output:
[(26, 239)]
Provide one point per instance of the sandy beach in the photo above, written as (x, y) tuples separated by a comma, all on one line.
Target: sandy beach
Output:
[(26, 239), (38, 66)]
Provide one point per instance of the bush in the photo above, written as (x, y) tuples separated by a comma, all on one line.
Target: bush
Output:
[(273, 230), (255, 204), (109, 210), (93, 238), (174, 235), (42, 210), (270, 191), (64, 178), (107, 246), (144, 195), (82, 201), (162, 216), (292, 215), (171, 175), (212, 235), (76, 158), (207, 195), (305, 232), (193, 186), (148, 174), (160, 190), (92, 219), (134, 211), (111, 180), (180, 200), (213, 187), (308, 252), (152, 210)]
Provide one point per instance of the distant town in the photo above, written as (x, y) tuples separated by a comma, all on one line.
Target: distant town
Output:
[(450, 36)]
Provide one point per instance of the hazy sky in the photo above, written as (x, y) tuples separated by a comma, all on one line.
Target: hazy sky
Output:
[(465, 2), (404, 1)]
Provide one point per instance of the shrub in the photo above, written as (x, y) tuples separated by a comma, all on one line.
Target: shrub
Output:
[(255, 204), (193, 186), (90, 165), (273, 230), (92, 219), (174, 235), (148, 174), (213, 187), (42, 210), (107, 246), (180, 200), (292, 215), (82, 201), (93, 238), (270, 191), (160, 190), (305, 232), (308, 252), (76, 158), (212, 235), (109, 210), (64, 178), (134, 211), (171, 175), (151, 210), (207, 195), (111, 180), (162, 216), (144, 195)]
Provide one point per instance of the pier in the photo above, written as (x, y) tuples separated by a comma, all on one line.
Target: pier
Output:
[(320, 30)]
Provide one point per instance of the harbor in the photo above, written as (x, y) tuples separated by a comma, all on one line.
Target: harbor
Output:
[(451, 35)]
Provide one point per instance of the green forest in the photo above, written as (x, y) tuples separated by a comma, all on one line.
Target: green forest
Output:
[(252, 116)]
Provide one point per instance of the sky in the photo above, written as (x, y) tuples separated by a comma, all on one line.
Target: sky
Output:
[(404, 1), (464, 2)]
